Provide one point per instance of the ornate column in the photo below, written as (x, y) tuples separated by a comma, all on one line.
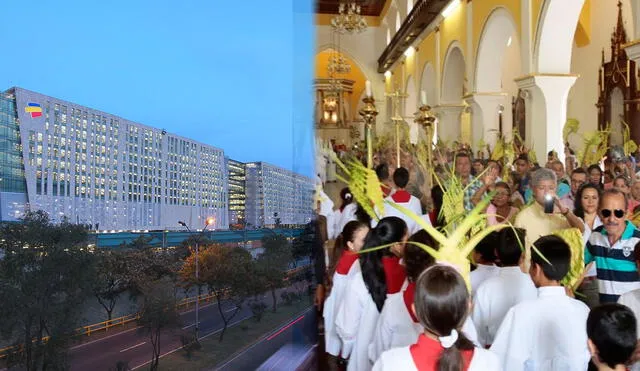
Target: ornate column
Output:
[(546, 111), (485, 123)]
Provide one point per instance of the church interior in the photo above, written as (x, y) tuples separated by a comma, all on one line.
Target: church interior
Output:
[(485, 68)]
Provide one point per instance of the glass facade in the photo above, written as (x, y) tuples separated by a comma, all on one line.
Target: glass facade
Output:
[(11, 166), (237, 193)]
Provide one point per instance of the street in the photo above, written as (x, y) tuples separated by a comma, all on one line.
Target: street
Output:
[(282, 349), (133, 346)]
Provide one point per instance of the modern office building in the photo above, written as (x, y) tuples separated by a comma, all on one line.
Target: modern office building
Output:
[(99, 169), (237, 191), (276, 193)]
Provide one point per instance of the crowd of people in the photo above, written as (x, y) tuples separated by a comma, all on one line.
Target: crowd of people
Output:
[(396, 308)]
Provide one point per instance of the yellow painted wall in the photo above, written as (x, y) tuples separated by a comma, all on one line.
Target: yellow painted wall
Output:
[(483, 9), (536, 8), (583, 31), (426, 54), (454, 28), (322, 60)]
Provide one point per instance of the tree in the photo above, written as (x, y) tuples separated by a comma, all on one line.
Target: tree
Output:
[(157, 313), (113, 278), (45, 276), (302, 245), (229, 274), (272, 264)]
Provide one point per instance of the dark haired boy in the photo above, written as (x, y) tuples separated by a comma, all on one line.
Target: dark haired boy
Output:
[(494, 298), (546, 333), (403, 198), (484, 255), (382, 172), (611, 330)]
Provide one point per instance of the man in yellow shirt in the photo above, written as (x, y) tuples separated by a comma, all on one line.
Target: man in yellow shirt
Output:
[(533, 219)]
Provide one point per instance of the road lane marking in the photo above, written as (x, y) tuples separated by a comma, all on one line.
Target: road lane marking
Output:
[(129, 330), (230, 310), (202, 337), (186, 327), (135, 346)]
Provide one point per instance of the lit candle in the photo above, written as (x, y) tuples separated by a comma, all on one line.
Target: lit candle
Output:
[(368, 88), (423, 97)]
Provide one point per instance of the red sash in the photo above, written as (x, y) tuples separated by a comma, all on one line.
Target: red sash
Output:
[(346, 261), (401, 196), (426, 351), (408, 296), (394, 273), (386, 190)]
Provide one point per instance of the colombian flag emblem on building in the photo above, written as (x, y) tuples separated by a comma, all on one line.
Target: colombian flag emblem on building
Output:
[(34, 109)]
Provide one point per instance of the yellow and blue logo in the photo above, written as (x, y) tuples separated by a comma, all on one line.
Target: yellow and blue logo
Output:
[(34, 109)]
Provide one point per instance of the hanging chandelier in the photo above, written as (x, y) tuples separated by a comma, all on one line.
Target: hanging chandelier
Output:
[(338, 65), (349, 19)]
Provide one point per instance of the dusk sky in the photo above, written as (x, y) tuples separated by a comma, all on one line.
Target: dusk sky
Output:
[(232, 74)]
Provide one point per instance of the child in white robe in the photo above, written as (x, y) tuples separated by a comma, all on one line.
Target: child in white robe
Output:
[(380, 274), (346, 212), (496, 295), (398, 326), (484, 255), (547, 333), (352, 240), (403, 198), (611, 330), (442, 304)]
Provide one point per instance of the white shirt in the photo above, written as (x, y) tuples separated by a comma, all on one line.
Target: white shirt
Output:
[(343, 217), (413, 204), (585, 238), (546, 334), (481, 274), (400, 359), (333, 344), (355, 322), (396, 328), (496, 296)]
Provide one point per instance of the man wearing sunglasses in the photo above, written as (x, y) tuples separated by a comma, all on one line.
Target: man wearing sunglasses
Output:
[(611, 247)]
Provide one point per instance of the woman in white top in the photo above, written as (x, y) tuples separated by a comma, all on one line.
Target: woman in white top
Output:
[(380, 274), (442, 304), (347, 245), (586, 210)]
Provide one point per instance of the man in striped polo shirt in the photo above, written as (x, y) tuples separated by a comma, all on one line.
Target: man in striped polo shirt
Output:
[(611, 247)]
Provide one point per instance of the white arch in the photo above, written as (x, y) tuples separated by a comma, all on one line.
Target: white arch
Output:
[(388, 36), (410, 102), (409, 6), (499, 30), (398, 21), (428, 83), (554, 36), (453, 74)]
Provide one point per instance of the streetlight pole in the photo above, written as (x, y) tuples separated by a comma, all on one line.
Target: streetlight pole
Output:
[(197, 243)]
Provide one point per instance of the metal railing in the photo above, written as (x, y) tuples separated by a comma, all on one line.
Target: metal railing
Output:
[(121, 321)]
